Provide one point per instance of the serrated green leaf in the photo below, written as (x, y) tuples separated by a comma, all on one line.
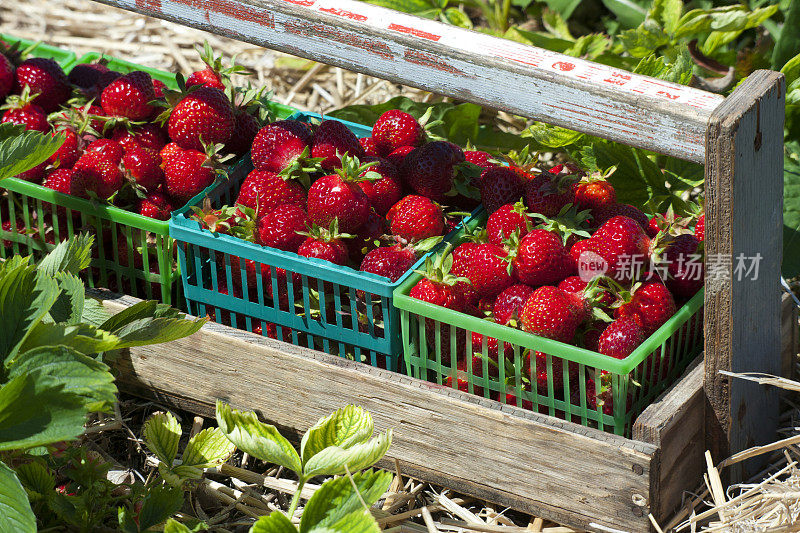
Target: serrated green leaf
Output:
[(344, 427), (70, 371), (173, 526), (589, 46), (667, 13), (162, 433), (337, 498), (68, 308), (556, 24), (456, 17), (538, 38), (552, 136), (356, 522), (208, 448), (679, 71), (36, 477), (160, 503), (722, 19), (791, 211), (563, 7), (15, 509), (21, 149), (135, 312), (71, 256), (260, 440), (147, 331), (83, 338), (93, 312), (787, 44), (629, 13), (274, 523), (792, 70), (643, 40), (406, 6), (332, 460)]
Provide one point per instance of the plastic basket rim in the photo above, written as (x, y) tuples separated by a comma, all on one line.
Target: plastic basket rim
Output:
[(68, 60)]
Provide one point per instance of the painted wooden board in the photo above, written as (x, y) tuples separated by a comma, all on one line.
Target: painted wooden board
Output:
[(533, 82), (571, 474), (743, 202)]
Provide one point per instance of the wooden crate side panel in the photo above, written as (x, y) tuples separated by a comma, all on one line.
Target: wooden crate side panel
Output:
[(536, 83), (574, 475), (744, 191)]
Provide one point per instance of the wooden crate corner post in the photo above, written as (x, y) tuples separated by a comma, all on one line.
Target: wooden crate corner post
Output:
[(744, 193)]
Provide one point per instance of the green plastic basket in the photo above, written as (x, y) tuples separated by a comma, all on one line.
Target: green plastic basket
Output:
[(436, 341), (120, 65), (338, 310), (63, 57)]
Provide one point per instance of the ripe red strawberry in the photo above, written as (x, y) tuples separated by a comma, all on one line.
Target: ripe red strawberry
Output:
[(547, 194), (550, 312), (429, 169), (389, 261), (278, 145), (128, 96), (492, 354), (482, 159), (149, 136), (155, 205), (685, 266), (159, 87), (620, 241), (105, 79), (144, 166), (86, 75), (206, 77), (650, 305), (500, 186), (245, 129), (398, 156), (700, 228), (415, 218), (205, 113), (509, 303), (21, 110), (594, 194), (331, 141), (542, 375), (186, 174), (462, 380), (385, 192), (621, 338), (506, 220), (541, 258), (327, 244), (339, 196), (487, 270), (6, 76), (396, 128), (216, 74), (607, 212), (59, 180), (69, 151), (371, 148), (437, 292), (592, 298), (96, 172), (33, 175), (264, 191), (367, 237), (46, 79), (168, 152), (280, 227)]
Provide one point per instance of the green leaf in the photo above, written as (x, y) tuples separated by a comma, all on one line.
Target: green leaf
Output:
[(792, 70), (83, 338), (162, 433), (256, 438), (406, 6), (629, 13), (337, 498), (15, 510), (552, 136), (274, 523), (160, 503), (563, 7), (36, 478), (147, 331), (538, 38), (68, 308), (73, 372), (644, 40), (21, 150), (791, 210), (34, 414), (657, 67), (722, 19), (787, 45), (456, 17), (173, 526), (667, 13), (71, 256), (332, 460), (589, 46), (208, 448), (25, 299), (345, 427), (93, 312), (144, 309), (556, 25)]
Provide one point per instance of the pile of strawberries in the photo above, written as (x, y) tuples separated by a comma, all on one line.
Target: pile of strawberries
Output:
[(374, 204), (129, 141), (559, 257)]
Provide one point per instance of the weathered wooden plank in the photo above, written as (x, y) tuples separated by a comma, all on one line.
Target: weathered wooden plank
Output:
[(675, 424), (574, 475), (532, 82), (744, 191), (790, 336)]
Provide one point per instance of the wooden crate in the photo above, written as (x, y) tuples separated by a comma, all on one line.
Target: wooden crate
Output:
[(738, 138)]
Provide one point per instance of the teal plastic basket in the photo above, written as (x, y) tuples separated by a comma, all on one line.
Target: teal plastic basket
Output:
[(63, 57), (320, 305), (572, 383)]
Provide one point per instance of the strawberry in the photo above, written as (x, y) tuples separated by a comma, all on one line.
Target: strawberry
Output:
[(385, 192), (396, 128), (429, 169), (500, 186), (462, 381), (620, 241), (45, 79), (540, 258), (487, 270), (205, 113), (607, 212), (6, 76), (155, 205), (508, 304), (541, 371), (59, 180), (326, 244), (168, 152), (685, 265), (590, 297), (129, 96), (371, 148), (264, 191), (21, 110), (650, 305), (492, 355), (86, 75), (187, 173), (438, 287), (550, 312), (548, 195), (149, 136), (339, 196), (367, 237), (482, 159), (389, 261), (511, 399), (278, 145), (398, 156), (144, 166), (207, 77), (621, 338), (96, 172), (215, 74), (415, 218), (700, 228), (105, 79), (331, 141), (69, 151), (281, 227), (594, 194), (34, 174), (506, 220), (245, 129)]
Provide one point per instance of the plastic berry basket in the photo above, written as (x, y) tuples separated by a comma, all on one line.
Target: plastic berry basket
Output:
[(320, 305), (433, 337), (63, 57)]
